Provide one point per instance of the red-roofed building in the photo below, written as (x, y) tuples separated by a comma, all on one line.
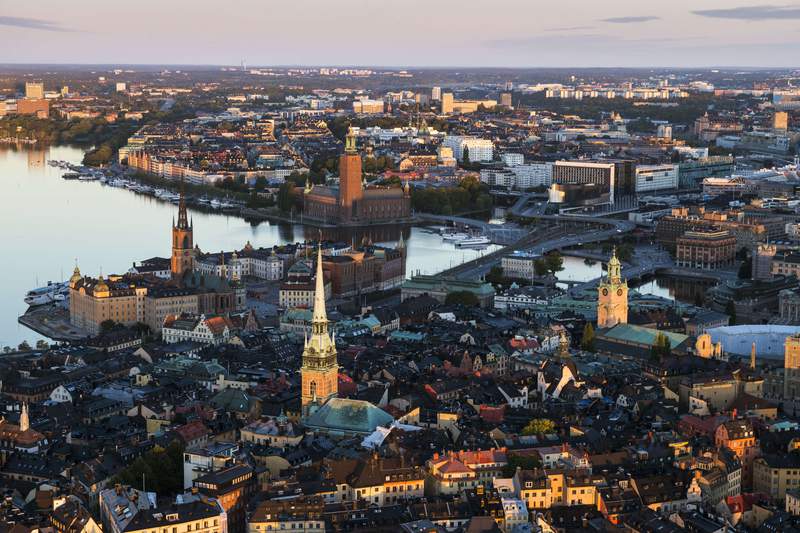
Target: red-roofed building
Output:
[(195, 433), (456, 471)]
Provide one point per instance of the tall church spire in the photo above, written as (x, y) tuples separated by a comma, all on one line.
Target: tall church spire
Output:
[(320, 315), (614, 268), (320, 369), (183, 219)]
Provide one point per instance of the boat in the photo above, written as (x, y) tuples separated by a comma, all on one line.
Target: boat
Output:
[(454, 237), (87, 177), (473, 242), (70, 175), (216, 204), (47, 294)]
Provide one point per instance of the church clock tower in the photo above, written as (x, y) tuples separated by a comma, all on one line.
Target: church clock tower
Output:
[(320, 370), (182, 241), (612, 296)]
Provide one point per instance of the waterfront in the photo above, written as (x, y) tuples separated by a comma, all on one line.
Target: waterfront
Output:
[(49, 223)]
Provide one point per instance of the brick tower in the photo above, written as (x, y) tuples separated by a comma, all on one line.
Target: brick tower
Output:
[(350, 189), (182, 241)]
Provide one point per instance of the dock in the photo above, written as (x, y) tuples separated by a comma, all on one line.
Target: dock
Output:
[(52, 321)]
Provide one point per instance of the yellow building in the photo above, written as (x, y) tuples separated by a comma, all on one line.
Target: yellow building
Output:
[(791, 364), (612, 296), (775, 474), (543, 489), (320, 369), (94, 301)]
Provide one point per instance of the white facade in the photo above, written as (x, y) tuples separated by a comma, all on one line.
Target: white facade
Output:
[(519, 265), (521, 177), (512, 159), (61, 395), (479, 149), (201, 333), (656, 177)]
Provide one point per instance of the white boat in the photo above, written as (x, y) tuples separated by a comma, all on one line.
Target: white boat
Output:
[(216, 204), (455, 237), (47, 294), (473, 242)]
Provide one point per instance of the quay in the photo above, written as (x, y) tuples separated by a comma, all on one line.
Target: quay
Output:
[(52, 321)]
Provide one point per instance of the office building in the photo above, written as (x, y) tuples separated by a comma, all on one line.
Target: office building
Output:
[(505, 99), (651, 178), (34, 90), (478, 150), (436, 94), (447, 103), (706, 249), (614, 179), (780, 121), (762, 261)]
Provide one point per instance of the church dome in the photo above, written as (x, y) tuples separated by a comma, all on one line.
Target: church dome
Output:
[(101, 286)]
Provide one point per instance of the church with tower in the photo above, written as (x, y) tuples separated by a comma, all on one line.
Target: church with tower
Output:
[(319, 371), (612, 296), (182, 242), (322, 410), (351, 203)]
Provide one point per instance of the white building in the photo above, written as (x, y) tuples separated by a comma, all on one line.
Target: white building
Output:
[(520, 177), (478, 149), (209, 458), (656, 177), (512, 159), (519, 265), (205, 330)]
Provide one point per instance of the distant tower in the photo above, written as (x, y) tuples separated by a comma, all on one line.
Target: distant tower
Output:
[(350, 187), (24, 420), (182, 241), (320, 370), (762, 262), (753, 356), (563, 345), (612, 296)]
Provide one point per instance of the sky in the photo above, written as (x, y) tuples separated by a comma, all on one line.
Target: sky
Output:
[(424, 33)]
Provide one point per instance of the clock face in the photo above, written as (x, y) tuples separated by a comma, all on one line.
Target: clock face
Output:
[(619, 292), (605, 292)]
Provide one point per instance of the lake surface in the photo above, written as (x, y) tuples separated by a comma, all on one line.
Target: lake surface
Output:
[(49, 223)]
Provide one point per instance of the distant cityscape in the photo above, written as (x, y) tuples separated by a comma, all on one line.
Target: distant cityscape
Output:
[(608, 338)]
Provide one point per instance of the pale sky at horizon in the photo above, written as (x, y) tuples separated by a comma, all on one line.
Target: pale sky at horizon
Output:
[(507, 33)]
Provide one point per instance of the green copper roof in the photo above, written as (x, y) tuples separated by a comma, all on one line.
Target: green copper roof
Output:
[(344, 416), (641, 335)]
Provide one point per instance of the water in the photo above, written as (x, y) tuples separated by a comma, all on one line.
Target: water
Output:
[(49, 223)]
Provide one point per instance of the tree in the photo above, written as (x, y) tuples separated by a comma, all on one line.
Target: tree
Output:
[(587, 341), (24, 346), (745, 270), (466, 298), (525, 462), (554, 261), (540, 268), (539, 426), (107, 325), (465, 156), (661, 347), (41, 344), (730, 310), (161, 468), (286, 197), (495, 275)]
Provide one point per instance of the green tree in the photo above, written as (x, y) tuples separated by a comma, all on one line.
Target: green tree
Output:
[(495, 275), (24, 346), (554, 261), (466, 298), (730, 310), (745, 270), (41, 344), (587, 341), (539, 426), (661, 347), (525, 462), (465, 156), (161, 470), (107, 325), (286, 196), (540, 268)]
